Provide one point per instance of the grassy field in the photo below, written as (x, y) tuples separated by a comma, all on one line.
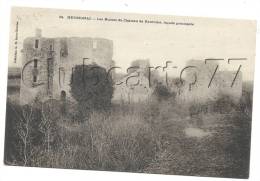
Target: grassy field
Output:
[(152, 137)]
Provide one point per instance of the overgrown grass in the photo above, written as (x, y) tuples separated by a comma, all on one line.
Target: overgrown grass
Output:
[(146, 137)]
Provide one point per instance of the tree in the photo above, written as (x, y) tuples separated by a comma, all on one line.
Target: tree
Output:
[(162, 92), (21, 135), (48, 125), (91, 87)]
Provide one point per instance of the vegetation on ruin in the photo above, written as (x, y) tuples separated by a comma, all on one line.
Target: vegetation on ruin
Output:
[(143, 137)]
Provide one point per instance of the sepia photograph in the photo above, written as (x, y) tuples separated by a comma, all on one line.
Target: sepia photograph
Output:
[(129, 92)]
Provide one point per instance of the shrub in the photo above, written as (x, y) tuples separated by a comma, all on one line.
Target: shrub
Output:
[(91, 87), (162, 92)]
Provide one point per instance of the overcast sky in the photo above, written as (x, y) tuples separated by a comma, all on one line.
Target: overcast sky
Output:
[(207, 38)]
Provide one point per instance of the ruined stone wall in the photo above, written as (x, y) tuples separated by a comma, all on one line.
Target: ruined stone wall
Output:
[(133, 88), (201, 92), (225, 79), (34, 81), (97, 50), (56, 58)]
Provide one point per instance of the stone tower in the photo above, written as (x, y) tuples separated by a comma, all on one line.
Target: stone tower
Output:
[(47, 63)]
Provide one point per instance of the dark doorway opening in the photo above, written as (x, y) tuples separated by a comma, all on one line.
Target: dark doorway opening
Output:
[(63, 102), (63, 95)]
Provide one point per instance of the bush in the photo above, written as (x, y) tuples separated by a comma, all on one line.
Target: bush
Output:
[(21, 135), (91, 87), (162, 92)]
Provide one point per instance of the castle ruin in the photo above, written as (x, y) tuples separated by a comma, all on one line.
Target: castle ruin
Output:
[(47, 64), (202, 85)]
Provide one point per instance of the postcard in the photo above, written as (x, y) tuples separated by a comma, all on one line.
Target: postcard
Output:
[(130, 92)]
